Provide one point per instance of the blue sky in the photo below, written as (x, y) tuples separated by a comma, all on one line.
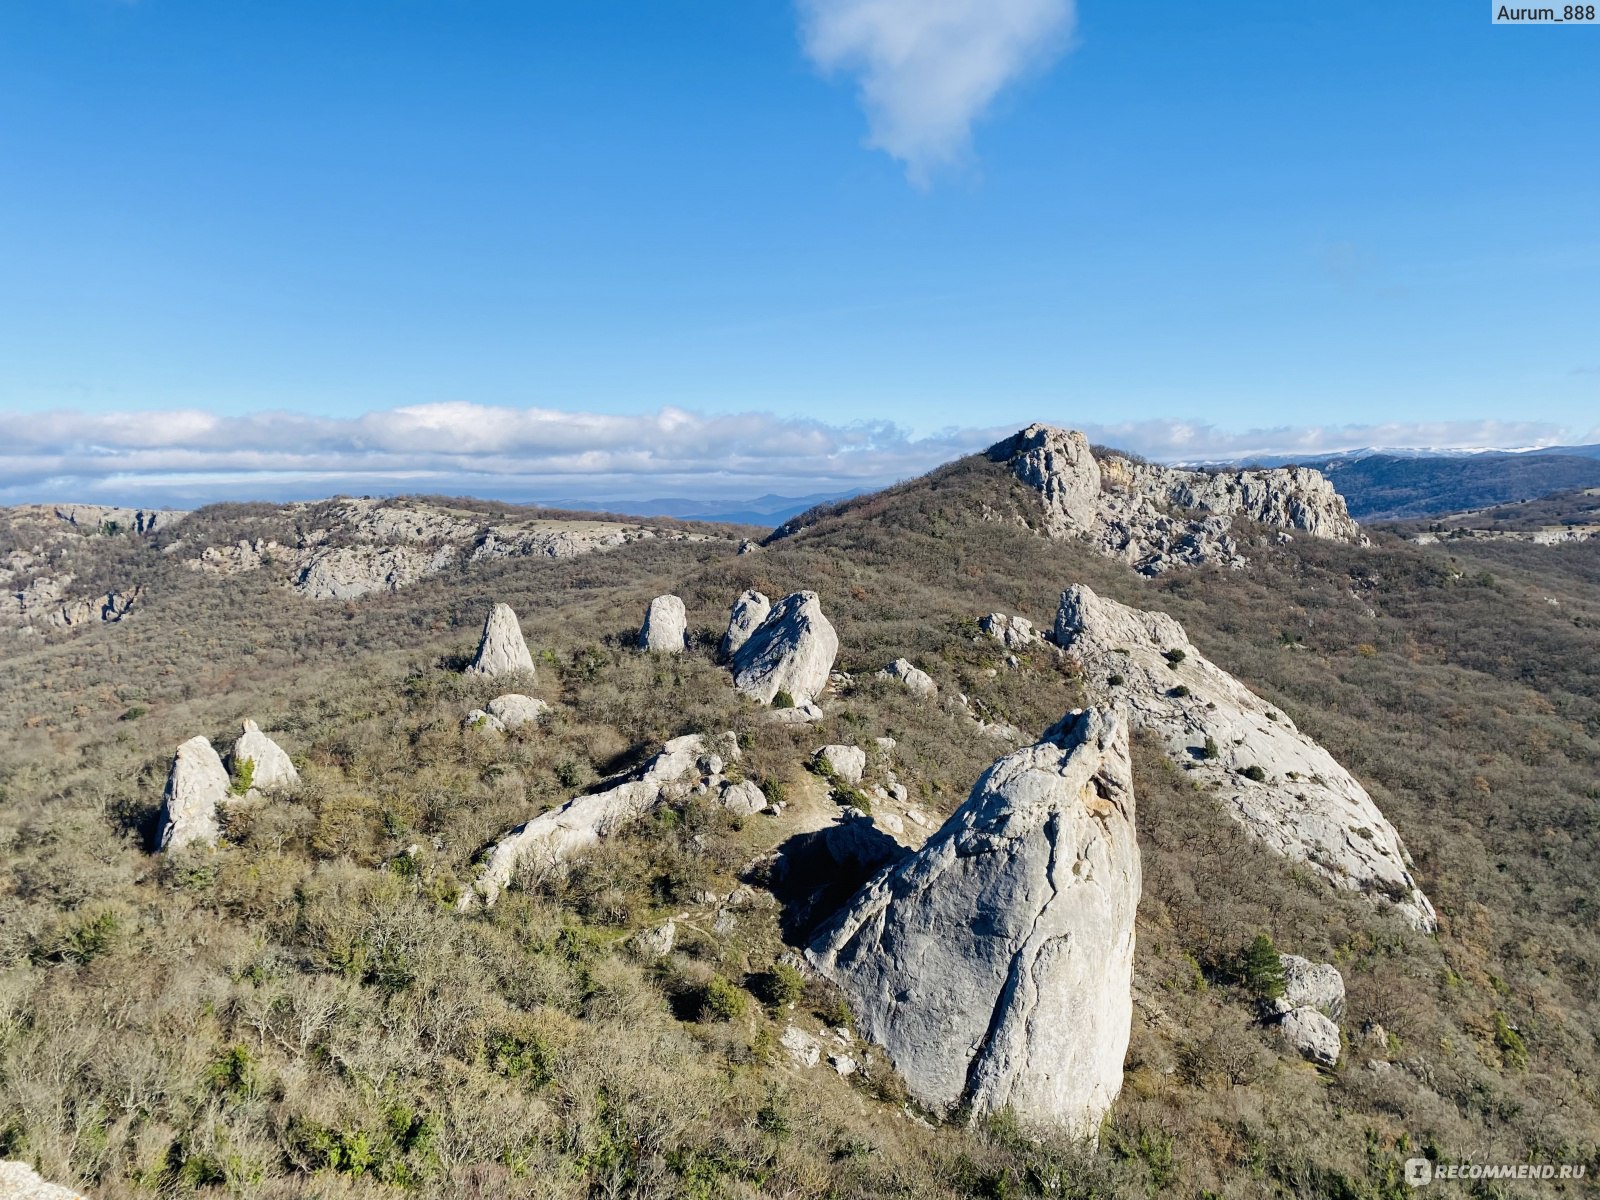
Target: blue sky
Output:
[(236, 238)]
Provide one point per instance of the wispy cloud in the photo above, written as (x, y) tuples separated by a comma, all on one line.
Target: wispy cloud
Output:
[(927, 69), (192, 457)]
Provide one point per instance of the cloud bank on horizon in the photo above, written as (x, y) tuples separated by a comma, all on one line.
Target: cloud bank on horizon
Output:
[(928, 69), (191, 457)]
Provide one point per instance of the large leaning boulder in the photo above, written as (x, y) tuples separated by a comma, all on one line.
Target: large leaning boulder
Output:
[(1312, 1035), (550, 839), (270, 767), (792, 651), (665, 622), (744, 618), (197, 785), (502, 650), (995, 964), (1282, 787), (1311, 985)]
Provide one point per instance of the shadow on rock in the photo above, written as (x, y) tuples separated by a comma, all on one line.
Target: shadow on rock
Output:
[(813, 874)]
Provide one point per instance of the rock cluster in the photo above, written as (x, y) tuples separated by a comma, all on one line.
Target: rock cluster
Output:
[(270, 767), (505, 713), (1156, 518), (502, 650), (744, 618), (665, 623), (684, 765), (350, 572), (1285, 790), (995, 964), (791, 651), (1014, 633), (197, 785)]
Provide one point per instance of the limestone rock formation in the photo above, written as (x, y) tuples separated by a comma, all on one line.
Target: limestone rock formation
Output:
[(550, 839), (1312, 1034), (1156, 518), (1285, 790), (749, 610), (197, 785), (657, 942), (1014, 633), (350, 572), (995, 964), (19, 1181), (792, 651), (844, 763), (101, 518), (1311, 985), (502, 650), (514, 710), (664, 624), (270, 767), (917, 681)]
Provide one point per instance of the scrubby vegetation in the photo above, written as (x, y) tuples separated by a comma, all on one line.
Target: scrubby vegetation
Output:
[(304, 1012)]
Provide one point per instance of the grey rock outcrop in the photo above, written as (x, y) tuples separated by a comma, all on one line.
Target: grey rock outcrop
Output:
[(1311, 985), (749, 610), (664, 624), (550, 839), (915, 680), (995, 964), (657, 942), (1156, 518), (1014, 633), (502, 650), (350, 572), (101, 518), (1304, 805), (1313, 1035), (845, 763), (791, 651), (197, 785), (19, 1181), (271, 768)]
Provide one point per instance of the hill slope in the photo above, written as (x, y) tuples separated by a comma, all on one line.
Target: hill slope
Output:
[(305, 1000)]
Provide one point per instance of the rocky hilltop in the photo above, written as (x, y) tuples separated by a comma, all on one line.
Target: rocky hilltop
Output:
[(1156, 518)]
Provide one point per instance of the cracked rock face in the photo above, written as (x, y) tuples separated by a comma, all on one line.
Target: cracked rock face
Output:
[(748, 611), (1311, 985), (502, 650), (995, 964), (1312, 1034), (664, 624), (1305, 806), (550, 839), (1156, 518), (197, 785), (791, 651), (272, 766)]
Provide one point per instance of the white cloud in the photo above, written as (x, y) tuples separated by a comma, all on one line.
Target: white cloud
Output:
[(547, 454), (929, 68)]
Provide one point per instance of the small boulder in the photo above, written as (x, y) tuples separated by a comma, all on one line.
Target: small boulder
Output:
[(657, 942), (917, 681), (844, 763), (792, 651), (665, 622), (744, 618), (514, 710), (502, 650), (196, 785), (743, 799), (800, 714), (1312, 1034), (805, 1050), (1013, 633), (270, 768), (481, 722)]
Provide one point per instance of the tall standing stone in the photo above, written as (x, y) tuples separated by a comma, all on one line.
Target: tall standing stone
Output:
[(270, 766), (791, 651), (502, 650), (995, 965), (744, 618), (196, 785), (665, 623)]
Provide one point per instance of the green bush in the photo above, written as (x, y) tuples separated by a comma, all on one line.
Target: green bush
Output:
[(1254, 772), (1260, 969), (244, 775), (720, 1000)]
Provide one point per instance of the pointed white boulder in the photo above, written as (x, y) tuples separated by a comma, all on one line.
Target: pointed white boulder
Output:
[(502, 650), (196, 785), (270, 766)]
